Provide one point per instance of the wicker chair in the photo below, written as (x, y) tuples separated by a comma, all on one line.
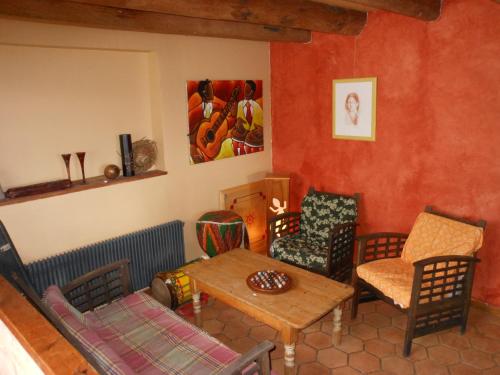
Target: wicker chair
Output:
[(427, 274), (321, 237)]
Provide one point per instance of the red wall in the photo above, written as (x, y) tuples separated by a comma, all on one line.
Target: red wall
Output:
[(438, 123)]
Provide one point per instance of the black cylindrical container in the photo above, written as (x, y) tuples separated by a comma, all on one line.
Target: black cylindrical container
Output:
[(127, 156)]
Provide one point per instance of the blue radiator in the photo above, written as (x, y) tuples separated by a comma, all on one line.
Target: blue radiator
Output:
[(150, 250)]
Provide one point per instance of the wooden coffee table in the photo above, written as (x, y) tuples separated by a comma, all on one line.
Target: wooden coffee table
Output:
[(311, 296)]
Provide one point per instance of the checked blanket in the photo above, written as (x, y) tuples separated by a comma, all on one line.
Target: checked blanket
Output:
[(138, 335)]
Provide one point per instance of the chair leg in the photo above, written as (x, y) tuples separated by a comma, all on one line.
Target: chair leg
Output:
[(410, 329), (355, 301)]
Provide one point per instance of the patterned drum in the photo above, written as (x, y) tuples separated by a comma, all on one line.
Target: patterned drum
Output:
[(220, 231), (171, 288), (238, 147)]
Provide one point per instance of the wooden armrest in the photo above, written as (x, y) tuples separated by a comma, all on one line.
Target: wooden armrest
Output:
[(259, 354), (381, 245), (282, 225), (443, 278), (99, 287)]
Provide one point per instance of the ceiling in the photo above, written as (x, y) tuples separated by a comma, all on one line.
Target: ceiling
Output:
[(269, 20)]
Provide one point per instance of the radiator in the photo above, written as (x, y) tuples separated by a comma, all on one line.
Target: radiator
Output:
[(150, 250)]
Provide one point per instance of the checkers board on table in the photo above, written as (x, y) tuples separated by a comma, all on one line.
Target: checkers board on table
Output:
[(269, 281)]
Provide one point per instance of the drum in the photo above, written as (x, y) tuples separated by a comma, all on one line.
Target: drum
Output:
[(171, 288), (238, 147), (220, 231), (254, 141)]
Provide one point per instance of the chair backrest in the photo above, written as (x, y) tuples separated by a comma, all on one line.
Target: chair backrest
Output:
[(9, 259), (322, 210), (436, 234)]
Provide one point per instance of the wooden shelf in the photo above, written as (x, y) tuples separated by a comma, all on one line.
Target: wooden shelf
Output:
[(91, 183)]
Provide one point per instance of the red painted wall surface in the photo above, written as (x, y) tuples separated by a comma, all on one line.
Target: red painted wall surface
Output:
[(438, 121)]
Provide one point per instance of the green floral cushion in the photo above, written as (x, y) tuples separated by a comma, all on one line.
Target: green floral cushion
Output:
[(300, 251), (321, 211)]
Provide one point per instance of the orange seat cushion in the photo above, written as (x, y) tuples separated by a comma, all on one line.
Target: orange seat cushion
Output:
[(434, 235), (391, 276)]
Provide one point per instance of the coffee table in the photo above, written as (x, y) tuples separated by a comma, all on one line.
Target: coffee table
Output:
[(310, 297)]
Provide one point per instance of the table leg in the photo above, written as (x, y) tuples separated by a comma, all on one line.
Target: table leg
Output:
[(337, 325), (289, 336), (196, 303)]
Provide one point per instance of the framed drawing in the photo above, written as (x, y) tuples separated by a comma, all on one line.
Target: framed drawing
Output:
[(225, 119), (354, 108)]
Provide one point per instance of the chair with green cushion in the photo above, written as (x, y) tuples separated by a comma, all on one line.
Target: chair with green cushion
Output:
[(321, 237)]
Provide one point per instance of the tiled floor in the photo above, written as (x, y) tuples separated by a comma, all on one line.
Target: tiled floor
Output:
[(371, 344)]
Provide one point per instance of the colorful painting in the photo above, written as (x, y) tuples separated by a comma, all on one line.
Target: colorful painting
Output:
[(225, 119), (354, 108)]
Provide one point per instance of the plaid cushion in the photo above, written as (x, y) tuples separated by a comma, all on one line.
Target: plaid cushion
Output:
[(138, 335), (152, 339), (77, 325)]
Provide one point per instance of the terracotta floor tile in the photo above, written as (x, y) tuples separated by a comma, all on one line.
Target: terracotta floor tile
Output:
[(380, 348), (318, 340), (235, 329), (461, 369), (454, 340), (364, 308), (208, 313), (477, 359), (417, 353), (212, 326), (427, 367), (377, 320), (485, 344), (492, 371), (332, 358), (443, 355), (242, 344), (345, 371), (315, 327), (262, 333), (313, 368), (364, 362), (392, 334), (427, 340), (387, 310), (363, 331), (350, 344), (397, 366), (230, 314), (400, 321), (488, 329), (251, 322), (374, 345), (304, 354)]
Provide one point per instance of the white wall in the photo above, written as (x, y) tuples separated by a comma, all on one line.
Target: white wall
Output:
[(45, 227)]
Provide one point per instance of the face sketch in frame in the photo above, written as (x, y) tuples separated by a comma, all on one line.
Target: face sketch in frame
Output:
[(352, 109)]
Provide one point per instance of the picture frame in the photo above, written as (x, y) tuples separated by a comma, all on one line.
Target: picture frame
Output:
[(354, 103)]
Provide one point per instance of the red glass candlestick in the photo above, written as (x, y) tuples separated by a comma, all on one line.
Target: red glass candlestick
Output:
[(81, 158)]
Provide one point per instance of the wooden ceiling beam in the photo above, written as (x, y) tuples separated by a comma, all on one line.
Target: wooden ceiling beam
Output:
[(72, 13), (427, 10), (300, 14)]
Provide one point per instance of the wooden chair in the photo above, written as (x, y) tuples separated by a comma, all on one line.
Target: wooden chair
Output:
[(321, 237), (427, 274)]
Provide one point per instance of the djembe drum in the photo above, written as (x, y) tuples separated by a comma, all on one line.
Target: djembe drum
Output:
[(171, 288), (220, 231)]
